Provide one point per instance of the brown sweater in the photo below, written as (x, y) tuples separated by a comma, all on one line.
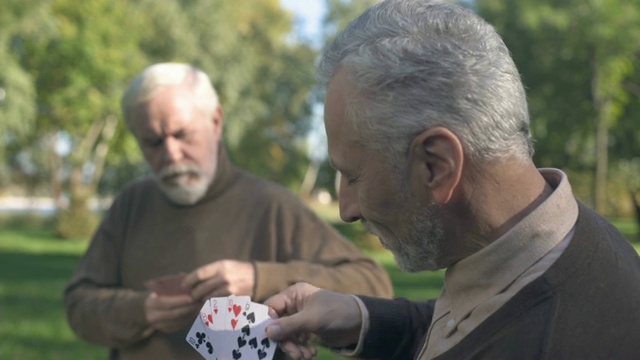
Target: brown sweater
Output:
[(242, 217)]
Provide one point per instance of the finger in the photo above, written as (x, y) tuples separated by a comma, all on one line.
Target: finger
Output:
[(298, 351), (289, 301), (181, 313), (200, 274), (164, 302), (289, 327), (210, 288)]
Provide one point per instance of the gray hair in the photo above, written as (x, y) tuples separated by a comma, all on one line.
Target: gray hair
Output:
[(154, 77), (415, 64)]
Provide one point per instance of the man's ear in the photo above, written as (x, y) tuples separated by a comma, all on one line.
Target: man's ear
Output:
[(216, 119), (436, 162)]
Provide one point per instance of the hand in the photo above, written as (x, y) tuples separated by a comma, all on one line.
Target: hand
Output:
[(221, 278), (170, 313), (305, 310)]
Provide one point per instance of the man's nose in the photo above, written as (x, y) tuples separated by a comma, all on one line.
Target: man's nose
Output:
[(348, 199), (173, 150)]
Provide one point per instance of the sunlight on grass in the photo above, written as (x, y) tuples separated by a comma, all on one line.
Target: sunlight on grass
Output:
[(35, 266)]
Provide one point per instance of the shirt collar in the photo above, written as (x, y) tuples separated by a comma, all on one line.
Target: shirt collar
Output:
[(489, 271)]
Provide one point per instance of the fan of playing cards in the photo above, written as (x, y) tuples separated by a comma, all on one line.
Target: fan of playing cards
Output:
[(232, 328)]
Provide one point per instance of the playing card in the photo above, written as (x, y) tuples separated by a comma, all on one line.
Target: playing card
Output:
[(219, 312), (199, 335), (250, 341), (242, 335), (168, 285), (237, 307), (260, 346)]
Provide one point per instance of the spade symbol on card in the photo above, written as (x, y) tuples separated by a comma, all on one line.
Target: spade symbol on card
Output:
[(265, 342), (261, 354), (246, 330), (237, 354), (241, 342), (253, 343), (251, 318)]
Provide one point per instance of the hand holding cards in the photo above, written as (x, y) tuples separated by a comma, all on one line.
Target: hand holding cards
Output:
[(232, 328), (169, 285)]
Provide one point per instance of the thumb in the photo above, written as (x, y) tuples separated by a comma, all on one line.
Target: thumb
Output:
[(288, 327)]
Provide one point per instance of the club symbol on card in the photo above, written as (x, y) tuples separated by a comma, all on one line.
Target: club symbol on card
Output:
[(200, 336), (261, 354), (265, 342), (241, 342), (209, 348), (253, 343), (237, 354), (246, 330)]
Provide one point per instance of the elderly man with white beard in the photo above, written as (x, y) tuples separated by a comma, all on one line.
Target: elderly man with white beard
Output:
[(198, 215)]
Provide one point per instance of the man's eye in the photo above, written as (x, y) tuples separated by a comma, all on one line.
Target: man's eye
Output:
[(152, 143), (350, 180)]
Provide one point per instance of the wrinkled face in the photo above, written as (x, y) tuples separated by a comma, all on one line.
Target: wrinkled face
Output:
[(372, 191), (179, 142)]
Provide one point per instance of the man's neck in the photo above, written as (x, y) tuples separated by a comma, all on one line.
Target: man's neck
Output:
[(497, 197)]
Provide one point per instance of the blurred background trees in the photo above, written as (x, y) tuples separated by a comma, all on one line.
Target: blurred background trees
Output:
[(65, 63)]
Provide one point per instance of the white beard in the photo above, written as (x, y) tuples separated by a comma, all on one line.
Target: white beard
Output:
[(184, 190)]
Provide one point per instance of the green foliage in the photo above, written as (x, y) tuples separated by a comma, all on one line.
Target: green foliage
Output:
[(68, 63), (579, 62)]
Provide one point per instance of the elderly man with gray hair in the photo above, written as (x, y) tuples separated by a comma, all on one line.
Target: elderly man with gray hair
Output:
[(225, 231), (427, 121)]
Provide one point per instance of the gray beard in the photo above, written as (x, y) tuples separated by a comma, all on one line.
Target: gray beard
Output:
[(420, 246)]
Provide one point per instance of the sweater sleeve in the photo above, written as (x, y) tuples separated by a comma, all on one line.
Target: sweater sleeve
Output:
[(397, 328), (316, 253), (98, 308)]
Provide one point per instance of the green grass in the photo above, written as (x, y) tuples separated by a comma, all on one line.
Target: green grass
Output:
[(35, 266)]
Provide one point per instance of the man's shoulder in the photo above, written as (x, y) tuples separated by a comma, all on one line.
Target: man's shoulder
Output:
[(142, 186), (266, 189)]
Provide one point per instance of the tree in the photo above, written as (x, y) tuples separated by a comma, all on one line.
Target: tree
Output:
[(576, 59), (81, 65)]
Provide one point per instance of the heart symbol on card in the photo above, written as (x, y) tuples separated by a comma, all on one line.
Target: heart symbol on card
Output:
[(215, 311), (237, 309), (253, 343), (241, 342), (236, 354), (261, 354), (234, 322), (210, 318)]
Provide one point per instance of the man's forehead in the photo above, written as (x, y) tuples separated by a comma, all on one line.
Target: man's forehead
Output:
[(340, 131)]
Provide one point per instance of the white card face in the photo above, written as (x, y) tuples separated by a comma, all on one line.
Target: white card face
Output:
[(218, 312), (236, 312), (264, 347), (236, 331), (199, 338)]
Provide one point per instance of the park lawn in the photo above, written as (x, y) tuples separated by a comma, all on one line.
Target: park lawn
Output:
[(35, 266)]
